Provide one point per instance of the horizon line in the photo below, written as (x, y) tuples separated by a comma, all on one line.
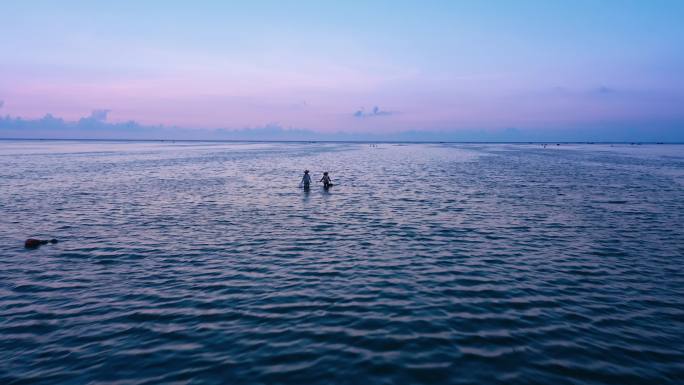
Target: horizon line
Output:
[(340, 141)]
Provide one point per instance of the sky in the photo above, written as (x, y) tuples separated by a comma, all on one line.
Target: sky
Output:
[(365, 67)]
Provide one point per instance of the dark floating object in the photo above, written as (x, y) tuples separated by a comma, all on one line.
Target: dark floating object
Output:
[(32, 243)]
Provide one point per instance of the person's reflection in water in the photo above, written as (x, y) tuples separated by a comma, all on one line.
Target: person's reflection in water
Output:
[(305, 197)]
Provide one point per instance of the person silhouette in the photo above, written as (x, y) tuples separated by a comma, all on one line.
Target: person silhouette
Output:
[(306, 180), (327, 182)]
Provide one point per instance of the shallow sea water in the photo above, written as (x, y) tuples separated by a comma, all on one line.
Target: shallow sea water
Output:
[(204, 263)]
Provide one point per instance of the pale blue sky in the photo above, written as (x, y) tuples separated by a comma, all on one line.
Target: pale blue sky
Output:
[(429, 65)]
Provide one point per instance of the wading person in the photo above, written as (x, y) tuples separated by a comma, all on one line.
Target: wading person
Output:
[(327, 182), (306, 180)]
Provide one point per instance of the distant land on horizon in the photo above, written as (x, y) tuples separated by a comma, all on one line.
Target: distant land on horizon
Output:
[(96, 126)]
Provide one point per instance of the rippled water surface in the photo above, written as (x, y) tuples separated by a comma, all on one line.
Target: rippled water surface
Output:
[(204, 263)]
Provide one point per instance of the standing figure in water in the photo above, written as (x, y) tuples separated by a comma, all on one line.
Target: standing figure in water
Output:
[(327, 182), (306, 180)]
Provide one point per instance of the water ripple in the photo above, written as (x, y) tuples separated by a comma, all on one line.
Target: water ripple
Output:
[(204, 263)]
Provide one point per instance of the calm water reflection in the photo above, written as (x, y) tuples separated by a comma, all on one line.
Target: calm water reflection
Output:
[(205, 263)]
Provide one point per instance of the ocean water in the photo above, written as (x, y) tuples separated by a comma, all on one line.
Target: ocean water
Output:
[(204, 263)]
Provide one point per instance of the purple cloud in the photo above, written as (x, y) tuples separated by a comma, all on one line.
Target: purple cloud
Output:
[(376, 111), (99, 115)]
